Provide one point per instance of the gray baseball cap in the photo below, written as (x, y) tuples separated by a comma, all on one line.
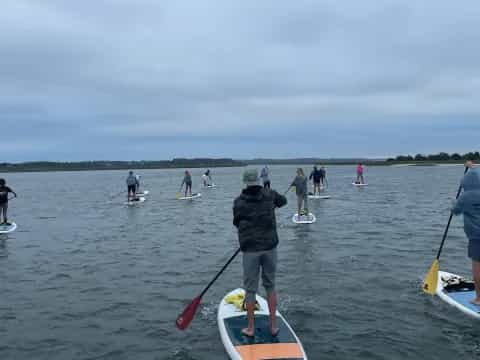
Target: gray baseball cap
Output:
[(250, 177)]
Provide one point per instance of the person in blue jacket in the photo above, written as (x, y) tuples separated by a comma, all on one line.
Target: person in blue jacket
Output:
[(468, 204)]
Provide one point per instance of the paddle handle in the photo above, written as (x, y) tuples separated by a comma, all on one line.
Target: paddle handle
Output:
[(449, 220), (219, 273)]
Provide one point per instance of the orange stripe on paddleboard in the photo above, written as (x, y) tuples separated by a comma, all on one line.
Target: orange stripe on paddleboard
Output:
[(270, 351)]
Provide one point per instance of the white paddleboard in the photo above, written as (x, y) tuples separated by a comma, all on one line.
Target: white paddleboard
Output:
[(209, 186), (142, 193), (355, 184), (319, 196), (194, 196), (232, 319), (458, 292), (135, 202), (304, 219), (5, 229)]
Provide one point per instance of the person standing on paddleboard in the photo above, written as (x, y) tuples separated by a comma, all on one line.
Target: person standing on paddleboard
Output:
[(4, 190), (254, 217), (187, 180), (468, 204), (317, 179), (301, 189), (132, 184), (359, 174), (207, 178), (265, 177), (323, 176), (137, 185)]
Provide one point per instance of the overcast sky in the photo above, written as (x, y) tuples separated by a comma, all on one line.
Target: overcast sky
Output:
[(156, 79)]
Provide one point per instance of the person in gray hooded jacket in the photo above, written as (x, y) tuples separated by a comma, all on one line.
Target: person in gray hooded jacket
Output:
[(468, 204), (254, 216), (301, 187)]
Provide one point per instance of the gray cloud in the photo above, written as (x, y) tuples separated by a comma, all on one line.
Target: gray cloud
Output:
[(207, 76)]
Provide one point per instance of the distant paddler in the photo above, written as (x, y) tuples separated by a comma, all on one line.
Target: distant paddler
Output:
[(187, 180), (207, 179), (132, 184), (301, 189), (360, 179), (265, 177), (317, 176), (4, 191), (137, 189)]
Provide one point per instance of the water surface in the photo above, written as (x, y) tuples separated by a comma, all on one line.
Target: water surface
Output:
[(85, 277)]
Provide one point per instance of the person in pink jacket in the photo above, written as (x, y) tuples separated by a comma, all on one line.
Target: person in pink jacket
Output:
[(359, 174)]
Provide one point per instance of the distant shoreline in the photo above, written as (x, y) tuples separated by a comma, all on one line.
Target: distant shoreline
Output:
[(42, 166)]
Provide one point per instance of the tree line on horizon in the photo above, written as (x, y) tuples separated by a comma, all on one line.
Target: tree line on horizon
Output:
[(442, 156)]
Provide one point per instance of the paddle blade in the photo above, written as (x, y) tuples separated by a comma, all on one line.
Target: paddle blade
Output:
[(431, 279), (186, 317)]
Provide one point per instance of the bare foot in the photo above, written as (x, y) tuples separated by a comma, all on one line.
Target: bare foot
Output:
[(475, 301), (274, 331), (248, 332)]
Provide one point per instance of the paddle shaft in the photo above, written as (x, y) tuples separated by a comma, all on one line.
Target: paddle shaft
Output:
[(219, 273), (449, 220)]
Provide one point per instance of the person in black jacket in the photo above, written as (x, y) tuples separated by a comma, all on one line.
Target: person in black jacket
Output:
[(4, 190), (254, 216)]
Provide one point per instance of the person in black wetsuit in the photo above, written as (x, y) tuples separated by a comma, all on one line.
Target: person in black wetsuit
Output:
[(323, 176), (316, 175), (4, 190)]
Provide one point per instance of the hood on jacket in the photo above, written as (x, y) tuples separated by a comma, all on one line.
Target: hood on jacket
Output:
[(252, 193), (471, 180)]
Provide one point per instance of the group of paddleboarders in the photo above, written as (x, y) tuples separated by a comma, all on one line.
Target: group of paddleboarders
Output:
[(4, 191)]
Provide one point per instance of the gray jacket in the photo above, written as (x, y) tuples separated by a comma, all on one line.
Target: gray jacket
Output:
[(300, 183), (254, 216), (468, 204), (132, 180), (264, 174)]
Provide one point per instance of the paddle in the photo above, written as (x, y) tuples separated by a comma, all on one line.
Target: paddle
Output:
[(431, 279), (186, 317), (179, 194)]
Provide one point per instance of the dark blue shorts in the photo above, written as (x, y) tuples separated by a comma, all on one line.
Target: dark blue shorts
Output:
[(474, 249)]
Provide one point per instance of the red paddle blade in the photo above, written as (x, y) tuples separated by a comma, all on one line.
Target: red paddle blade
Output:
[(186, 317)]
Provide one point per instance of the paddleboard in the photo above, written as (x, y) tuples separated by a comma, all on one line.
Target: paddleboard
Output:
[(319, 196), (232, 319), (210, 186), (5, 229), (308, 219), (142, 193), (355, 184), (194, 196), (458, 292), (135, 202)]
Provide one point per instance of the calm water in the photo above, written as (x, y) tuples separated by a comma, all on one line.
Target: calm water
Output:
[(86, 277)]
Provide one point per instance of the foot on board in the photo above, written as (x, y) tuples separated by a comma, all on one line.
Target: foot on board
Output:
[(274, 331), (475, 302), (248, 332)]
